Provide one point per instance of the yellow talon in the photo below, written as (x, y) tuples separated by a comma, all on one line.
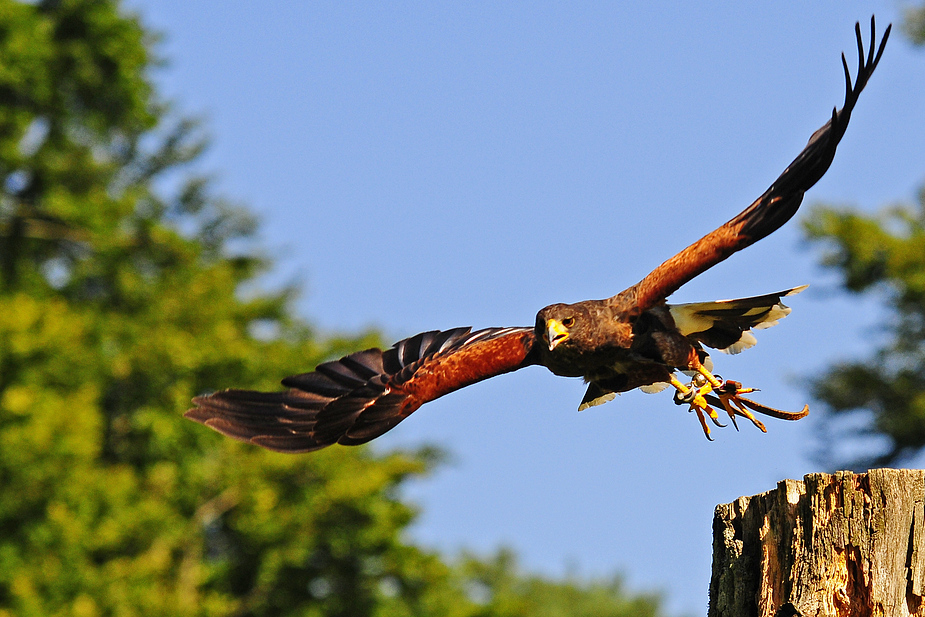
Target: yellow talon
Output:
[(728, 400), (706, 392), (703, 422), (729, 392), (696, 397)]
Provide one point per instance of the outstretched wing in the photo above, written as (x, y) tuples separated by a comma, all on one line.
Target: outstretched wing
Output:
[(768, 212), (361, 396)]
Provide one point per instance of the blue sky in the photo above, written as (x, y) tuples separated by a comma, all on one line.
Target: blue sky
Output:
[(431, 165)]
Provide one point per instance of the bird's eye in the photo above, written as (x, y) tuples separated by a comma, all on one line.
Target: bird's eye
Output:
[(568, 322)]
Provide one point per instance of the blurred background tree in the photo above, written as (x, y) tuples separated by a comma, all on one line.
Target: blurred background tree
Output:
[(126, 287), (878, 404), (914, 26)]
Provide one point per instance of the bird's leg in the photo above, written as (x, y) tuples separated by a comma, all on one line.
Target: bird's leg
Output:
[(694, 396), (741, 401), (707, 391), (731, 401), (719, 386), (730, 393)]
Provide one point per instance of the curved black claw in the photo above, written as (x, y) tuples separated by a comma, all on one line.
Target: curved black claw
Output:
[(734, 408)]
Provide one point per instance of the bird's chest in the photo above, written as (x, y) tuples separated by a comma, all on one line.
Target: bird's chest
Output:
[(657, 339)]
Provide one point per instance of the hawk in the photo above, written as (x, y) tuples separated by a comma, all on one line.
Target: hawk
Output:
[(634, 339)]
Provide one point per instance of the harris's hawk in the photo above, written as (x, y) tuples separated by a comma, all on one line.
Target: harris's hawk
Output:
[(631, 340)]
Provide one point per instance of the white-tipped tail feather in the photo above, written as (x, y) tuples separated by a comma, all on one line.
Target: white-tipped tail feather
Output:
[(600, 400)]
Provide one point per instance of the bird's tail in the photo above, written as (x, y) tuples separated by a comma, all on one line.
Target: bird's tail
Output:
[(726, 324)]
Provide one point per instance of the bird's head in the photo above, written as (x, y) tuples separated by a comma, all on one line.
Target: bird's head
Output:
[(561, 324)]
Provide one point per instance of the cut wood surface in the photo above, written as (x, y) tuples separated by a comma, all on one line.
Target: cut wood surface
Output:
[(831, 544)]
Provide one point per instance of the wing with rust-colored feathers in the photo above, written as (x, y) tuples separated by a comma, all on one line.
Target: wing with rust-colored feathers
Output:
[(768, 212), (361, 396)]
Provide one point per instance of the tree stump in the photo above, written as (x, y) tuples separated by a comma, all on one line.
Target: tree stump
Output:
[(833, 544)]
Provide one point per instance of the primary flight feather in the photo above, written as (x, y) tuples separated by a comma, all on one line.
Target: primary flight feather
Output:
[(631, 340)]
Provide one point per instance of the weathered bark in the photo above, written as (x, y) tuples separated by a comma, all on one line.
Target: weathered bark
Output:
[(833, 544)]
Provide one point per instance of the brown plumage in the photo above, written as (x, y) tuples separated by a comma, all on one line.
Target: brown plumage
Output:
[(631, 340)]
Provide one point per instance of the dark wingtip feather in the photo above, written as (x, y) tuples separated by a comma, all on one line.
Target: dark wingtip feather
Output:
[(287, 444), (767, 213), (316, 382)]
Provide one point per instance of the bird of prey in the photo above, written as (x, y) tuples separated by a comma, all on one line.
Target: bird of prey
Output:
[(631, 340)]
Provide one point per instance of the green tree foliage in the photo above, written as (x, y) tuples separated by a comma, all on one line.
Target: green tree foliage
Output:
[(880, 399), (880, 254), (502, 591), (126, 287), (914, 24)]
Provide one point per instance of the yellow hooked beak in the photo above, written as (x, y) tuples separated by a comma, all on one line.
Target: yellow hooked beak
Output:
[(555, 333)]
